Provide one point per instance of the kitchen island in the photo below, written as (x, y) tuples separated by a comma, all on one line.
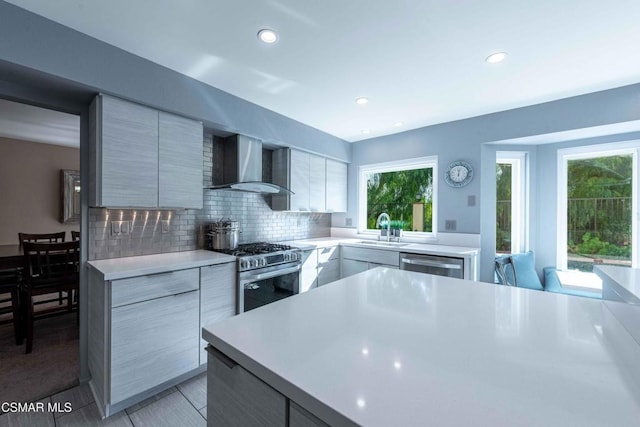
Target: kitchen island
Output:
[(387, 347)]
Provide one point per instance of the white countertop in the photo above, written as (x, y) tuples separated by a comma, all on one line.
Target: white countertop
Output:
[(121, 268), (627, 279), (419, 248), (388, 347)]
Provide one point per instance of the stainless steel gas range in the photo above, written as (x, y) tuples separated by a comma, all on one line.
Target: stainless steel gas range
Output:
[(267, 272)]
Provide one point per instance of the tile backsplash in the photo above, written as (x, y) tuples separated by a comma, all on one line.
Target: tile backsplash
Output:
[(257, 221)]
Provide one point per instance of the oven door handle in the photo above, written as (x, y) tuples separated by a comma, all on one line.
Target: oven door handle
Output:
[(275, 273)]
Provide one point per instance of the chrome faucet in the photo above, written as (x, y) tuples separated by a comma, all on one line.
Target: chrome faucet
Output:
[(381, 217)]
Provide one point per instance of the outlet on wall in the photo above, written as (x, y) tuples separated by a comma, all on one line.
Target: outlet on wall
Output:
[(450, 225), (164, 224), (120, 227)]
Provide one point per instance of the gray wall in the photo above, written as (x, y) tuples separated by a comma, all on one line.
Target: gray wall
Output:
[(473, 140), (31, 41)]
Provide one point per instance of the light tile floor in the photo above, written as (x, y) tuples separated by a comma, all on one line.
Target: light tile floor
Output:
[(183, 405)]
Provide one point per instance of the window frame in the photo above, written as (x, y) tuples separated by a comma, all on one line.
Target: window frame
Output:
[(586, 152), (519, 161), (396, 166)]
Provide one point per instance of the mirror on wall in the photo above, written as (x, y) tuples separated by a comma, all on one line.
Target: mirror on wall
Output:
[(70, 186)]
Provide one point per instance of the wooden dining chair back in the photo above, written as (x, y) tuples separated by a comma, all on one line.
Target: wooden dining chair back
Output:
[(41, 237), (10, 301), (75, 235), (48, 268), (44, 238), (506, 270)]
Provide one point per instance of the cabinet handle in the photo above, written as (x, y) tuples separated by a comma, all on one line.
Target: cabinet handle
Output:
[(226, 360)]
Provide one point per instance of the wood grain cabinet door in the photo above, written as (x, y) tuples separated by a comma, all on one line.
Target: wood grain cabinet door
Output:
[(153, 342), (217, 297), (127, 145), (180, 162), (235, 397), (317, 183), (336, 186)]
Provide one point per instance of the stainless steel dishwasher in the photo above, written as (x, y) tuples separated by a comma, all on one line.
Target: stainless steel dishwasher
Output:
[(432, 264)]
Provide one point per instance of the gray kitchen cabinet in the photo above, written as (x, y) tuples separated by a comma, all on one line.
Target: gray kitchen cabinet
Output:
[(355, 259), (317, 183), (144, 332), (299, 170), (143, 158), (152, 342), (235, 397), (125, 161), (309, 271), (300, 417), (336, 186), (328, 265), (179, 162), (352, 266), (217, 297)]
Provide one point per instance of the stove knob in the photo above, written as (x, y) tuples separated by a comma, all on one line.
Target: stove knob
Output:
[(254, 263), (287, 257), (263, 262), (298, 256), (243, 265)]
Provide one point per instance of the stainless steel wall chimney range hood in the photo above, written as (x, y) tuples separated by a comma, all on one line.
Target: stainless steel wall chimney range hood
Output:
[(242, 169)]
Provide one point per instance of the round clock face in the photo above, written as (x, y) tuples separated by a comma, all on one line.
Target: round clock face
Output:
[(458, 174)]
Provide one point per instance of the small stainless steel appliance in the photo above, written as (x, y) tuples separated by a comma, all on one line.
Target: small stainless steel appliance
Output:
[(267, 272)]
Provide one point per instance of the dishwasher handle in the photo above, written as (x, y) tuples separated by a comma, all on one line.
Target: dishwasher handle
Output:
[(429, 263)]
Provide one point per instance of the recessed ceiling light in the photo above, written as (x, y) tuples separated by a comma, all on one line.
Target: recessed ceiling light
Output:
[(365, 131), (494, 58), (362, 100), (398, 124), (267, 36)]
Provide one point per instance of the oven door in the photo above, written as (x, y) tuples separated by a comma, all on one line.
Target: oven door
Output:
[(265, 285)]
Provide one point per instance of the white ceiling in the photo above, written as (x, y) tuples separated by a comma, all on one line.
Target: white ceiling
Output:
[(420, 62), (29, 123)]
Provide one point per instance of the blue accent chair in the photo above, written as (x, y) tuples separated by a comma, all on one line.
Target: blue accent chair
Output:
[(552, 284)]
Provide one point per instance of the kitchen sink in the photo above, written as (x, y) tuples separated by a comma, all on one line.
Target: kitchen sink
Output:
[(379, 243)]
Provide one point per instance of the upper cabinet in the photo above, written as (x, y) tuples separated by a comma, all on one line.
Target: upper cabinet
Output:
[(144, 158), (179, 162), (318, 184), (336, 186)]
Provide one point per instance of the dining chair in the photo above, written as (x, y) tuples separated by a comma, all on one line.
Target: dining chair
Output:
[(9, 293), (44, 237), (75, 235), (48, 268)]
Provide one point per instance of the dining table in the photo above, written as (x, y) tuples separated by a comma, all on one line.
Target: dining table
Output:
[(11, 256)]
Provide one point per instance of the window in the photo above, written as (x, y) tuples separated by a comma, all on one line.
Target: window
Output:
[(406, 190), (597, 199), (511, 202)]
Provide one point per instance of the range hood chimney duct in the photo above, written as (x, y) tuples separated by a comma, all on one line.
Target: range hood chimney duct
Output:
[(242, 169)]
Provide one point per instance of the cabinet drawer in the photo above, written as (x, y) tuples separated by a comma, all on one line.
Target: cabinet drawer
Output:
[(327, 254), (235, 397), (153, 342), (378, 256), (351, 266), (143, 288)]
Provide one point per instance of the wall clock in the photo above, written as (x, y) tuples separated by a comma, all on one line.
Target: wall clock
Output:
[(458, 174)]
